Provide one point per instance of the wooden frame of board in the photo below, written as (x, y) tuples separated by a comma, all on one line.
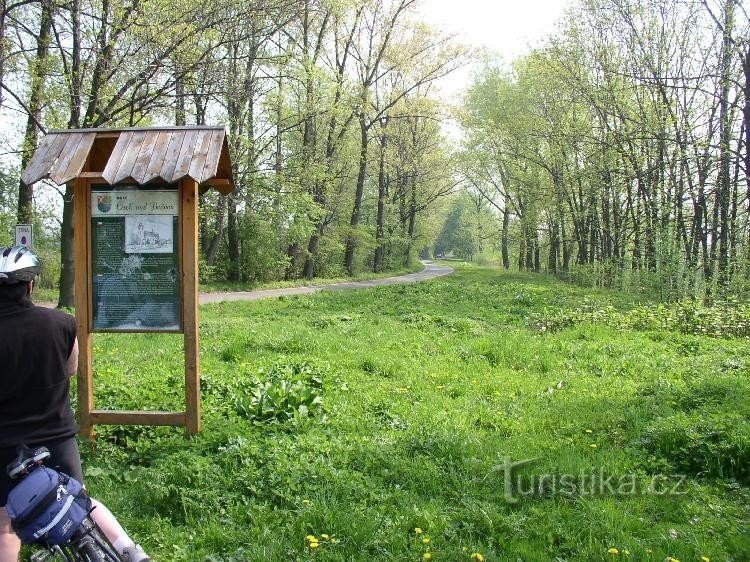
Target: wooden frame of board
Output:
[(188, 159)]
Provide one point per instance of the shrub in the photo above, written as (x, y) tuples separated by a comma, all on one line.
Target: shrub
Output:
[(726, 319), (286, 392)]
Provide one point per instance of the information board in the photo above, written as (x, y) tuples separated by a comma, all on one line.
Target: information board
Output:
[(135, 258)]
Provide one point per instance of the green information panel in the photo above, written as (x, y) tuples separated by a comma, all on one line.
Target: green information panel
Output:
[(135, 258)]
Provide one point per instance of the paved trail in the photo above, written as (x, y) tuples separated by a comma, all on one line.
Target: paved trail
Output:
[(430, 271)]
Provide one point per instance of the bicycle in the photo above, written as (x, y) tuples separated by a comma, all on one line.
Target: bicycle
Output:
[(50, 509)]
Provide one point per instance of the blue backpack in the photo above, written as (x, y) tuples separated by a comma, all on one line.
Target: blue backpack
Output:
[(47, 507)]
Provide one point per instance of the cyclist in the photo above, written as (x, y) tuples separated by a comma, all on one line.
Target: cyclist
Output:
[(38, 355)]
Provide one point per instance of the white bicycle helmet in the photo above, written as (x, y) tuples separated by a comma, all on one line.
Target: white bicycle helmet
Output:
[(18, 264)]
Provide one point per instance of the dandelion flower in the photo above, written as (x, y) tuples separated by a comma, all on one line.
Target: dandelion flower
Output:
[(427, 556), (426, 540), (314, 545), (311, 538), (477, 557), (417, 530), (593, 445), (705, 559), (613, 551), (324, 537)]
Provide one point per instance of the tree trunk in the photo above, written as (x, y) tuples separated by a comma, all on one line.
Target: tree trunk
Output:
[(359, 194), (38, 74), (723, 191), (308, 271), (412, 218), (179, 102), (746, 119), (212, 248), (233, 239), (66, 296), (504, 239), (382, 194), (554, 248), (3, 55)]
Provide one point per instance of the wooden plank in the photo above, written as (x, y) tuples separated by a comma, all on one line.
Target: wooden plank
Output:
[(76, 161), (144, 156), (182, 167), (170, 157), (44, 157), (200, 151), (128, 417), (223, 186), (189, 252), (212, 158), (113, 164), (218, 183), (225, 165), (128, 159), (157, 157), (81, 214), (66, 155), (35, 168)]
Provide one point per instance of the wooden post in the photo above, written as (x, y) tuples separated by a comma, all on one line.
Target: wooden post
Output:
[(83, 313), (189, 252)]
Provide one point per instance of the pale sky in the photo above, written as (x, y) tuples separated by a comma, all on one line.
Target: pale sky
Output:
[(507, 27)]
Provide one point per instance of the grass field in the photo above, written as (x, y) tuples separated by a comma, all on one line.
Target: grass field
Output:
[(381, 425)]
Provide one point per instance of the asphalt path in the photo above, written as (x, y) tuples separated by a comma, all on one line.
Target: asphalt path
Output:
[(430, 271)]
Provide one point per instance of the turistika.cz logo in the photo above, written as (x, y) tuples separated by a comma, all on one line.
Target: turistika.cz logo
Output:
[(586, 483)]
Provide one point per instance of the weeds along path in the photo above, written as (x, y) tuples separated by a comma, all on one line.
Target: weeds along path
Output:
[(430, 271)]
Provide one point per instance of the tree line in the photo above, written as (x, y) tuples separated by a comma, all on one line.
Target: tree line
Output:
[(618, 153), (334, 128)]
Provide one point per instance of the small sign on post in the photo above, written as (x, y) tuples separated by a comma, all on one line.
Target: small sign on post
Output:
[(25, 235)]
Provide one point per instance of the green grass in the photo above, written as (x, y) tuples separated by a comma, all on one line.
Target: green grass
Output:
[(426, 389)]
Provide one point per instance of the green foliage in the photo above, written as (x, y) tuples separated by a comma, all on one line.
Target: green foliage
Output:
[(725, 319), (567, 137), (458, 235), (285, 392)]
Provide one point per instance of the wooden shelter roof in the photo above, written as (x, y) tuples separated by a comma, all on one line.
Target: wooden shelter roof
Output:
[(135, 155)]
